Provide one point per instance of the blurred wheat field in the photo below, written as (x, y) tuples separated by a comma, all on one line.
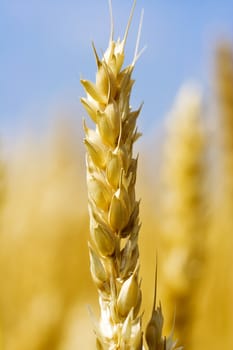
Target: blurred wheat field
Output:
[(44, 228)]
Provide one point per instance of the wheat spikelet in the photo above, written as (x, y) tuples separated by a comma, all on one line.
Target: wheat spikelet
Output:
[(111, 176), (182, 211), (154, 338)]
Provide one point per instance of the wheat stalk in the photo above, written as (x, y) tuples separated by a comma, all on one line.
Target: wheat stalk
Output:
[(113, 208)]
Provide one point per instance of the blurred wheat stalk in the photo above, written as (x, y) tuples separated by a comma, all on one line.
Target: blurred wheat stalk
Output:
[(183, 234), (219, 285), (41, 243), (224, 96)]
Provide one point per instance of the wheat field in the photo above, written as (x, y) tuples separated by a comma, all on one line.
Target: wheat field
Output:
[(185, 183)]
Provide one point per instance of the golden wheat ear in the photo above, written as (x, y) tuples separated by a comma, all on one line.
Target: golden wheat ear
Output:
[(183, 219), (113, 208)]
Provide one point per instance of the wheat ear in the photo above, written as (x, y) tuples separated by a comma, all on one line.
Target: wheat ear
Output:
[(182, 205), (113, 208), (222, 238), (224, 92)]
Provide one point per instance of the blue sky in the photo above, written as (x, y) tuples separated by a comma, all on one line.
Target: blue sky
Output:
[(45, 48)]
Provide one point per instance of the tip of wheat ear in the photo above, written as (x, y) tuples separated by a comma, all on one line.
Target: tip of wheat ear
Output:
[(121, 44)]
